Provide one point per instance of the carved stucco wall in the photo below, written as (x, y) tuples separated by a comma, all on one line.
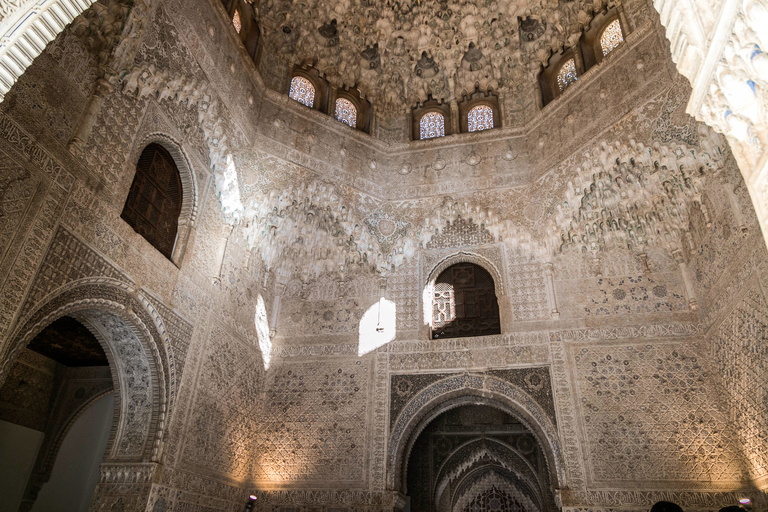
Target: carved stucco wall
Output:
[(311, 431)]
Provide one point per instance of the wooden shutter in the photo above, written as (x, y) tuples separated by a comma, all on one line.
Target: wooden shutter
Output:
[(154, 201)]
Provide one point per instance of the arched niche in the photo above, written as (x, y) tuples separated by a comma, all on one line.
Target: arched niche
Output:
[(189, 197), (141, 362), (463, 389)]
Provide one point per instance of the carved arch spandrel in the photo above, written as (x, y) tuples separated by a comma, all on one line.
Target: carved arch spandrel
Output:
[(463, 389), (137, 347)]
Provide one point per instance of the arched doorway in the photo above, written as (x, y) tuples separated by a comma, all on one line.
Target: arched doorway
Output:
[(139, 366), (45, 399), (470, 389), (478, 458)]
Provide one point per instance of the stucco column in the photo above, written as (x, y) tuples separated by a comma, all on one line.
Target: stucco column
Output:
[(549, 280), (454, 117), (280, 288), (83, 131), (693, 304)]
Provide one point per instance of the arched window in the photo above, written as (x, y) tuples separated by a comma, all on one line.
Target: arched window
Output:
[(432, 124), (480, 118), (566, 75), (302, 91), (346, 112), (237, 22), (611, 37), (154, 201), (464, 303)]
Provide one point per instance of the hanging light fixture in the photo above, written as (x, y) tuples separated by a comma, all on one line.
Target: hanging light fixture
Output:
[(249, 505)]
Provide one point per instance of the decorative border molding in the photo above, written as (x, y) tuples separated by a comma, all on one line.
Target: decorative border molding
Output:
[(26, 32)]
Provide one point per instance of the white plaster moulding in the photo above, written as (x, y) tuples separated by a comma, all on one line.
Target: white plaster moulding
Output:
[(26, 32)]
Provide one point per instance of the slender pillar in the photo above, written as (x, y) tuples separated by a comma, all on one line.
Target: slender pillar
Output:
[(218, 276), (280, 288), (83, 130), (454, 117), (693, 304), (738, 216), (549, 279)]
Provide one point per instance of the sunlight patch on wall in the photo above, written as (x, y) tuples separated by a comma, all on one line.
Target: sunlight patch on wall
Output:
[(378, 326), (262, 331)]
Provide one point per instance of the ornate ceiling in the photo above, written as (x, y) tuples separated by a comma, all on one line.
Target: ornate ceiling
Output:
[(399, 53)]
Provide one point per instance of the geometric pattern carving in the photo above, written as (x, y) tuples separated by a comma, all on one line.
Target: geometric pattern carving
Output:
[(648, 414), (314, 424), (497, 499), (535, 381), (67, 260), (458, 389), (16, 188), (640, 294), (222, 424), (741, 357)]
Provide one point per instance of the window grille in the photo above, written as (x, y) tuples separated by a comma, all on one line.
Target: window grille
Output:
[(236, 21), (302, 91), (432, 125), (346, 112), (567, 75), (464, 303), (611, 37), (480, 118)]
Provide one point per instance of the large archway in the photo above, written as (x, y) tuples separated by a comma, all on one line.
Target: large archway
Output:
[(138, 349), (470, 389), (141, 363)]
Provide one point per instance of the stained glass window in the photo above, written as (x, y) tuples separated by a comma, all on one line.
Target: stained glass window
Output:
[(346, 112), (567, 75), (302, 91), (480, 118), (236, 22), (611, 37), (432, 125)]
